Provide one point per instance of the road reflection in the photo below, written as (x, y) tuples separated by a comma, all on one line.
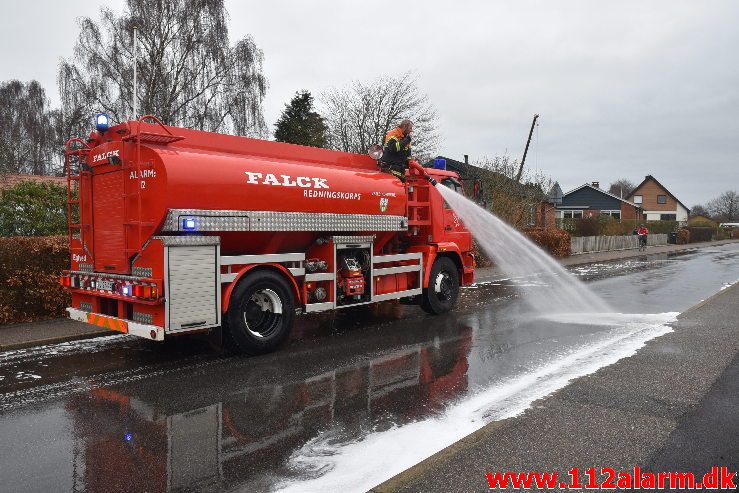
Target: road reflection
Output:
[(233, 433)]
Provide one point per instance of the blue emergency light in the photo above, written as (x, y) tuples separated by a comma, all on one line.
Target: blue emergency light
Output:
[(128, 436), (440, 164), (102, 122), (188, 224)]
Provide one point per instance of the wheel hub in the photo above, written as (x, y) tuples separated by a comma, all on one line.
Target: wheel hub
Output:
[(443, 285), (262, 313)]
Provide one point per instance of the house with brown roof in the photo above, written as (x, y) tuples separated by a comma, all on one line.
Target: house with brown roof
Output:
[(9, 180), (657, 202)]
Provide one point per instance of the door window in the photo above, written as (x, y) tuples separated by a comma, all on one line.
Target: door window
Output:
[(454, 185)]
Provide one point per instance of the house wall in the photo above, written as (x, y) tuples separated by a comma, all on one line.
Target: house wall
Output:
[(682, 213), (629, 211), (545, 216), (649, 192), (9, 180)]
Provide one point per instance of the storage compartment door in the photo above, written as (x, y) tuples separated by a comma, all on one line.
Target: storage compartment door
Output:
[(192, 291), (109, 235)]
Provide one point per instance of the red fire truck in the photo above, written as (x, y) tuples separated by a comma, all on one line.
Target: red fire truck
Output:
[(174, 231)]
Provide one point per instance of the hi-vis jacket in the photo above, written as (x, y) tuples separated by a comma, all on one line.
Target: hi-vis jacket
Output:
[(397, 149)]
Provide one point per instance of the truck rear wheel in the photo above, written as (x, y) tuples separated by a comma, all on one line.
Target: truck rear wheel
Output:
[(443, 290), (261, 313)]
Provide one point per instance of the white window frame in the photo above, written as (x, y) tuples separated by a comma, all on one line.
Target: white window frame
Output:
[(638, 199), (615, 213), (572, 213)]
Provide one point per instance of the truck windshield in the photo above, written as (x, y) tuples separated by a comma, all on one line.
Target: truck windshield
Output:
[(453, 184)]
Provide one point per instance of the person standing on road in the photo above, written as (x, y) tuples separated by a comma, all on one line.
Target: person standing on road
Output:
[(396, 150)]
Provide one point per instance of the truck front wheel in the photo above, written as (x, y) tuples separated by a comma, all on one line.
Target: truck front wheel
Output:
[(261, 313), (443, 290)]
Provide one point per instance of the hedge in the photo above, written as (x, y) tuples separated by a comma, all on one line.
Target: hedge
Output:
[(555, 241), (29, 270), (606, 226), (33, 209), (699, 233)]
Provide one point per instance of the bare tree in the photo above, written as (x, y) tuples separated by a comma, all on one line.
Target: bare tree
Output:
[(699, 210), (621, 188), (361, 114), (188, 72), (512, 201), (725, 207), (26, 132)]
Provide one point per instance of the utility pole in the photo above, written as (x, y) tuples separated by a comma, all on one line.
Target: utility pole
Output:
[(526, 151)]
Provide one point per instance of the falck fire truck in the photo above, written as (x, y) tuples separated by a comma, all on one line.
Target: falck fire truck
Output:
[(174, 231)]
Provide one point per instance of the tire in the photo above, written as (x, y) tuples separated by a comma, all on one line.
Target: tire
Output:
[(261, 313), (443, 291)]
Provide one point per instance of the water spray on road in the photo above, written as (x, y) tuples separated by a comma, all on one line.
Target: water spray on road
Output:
[(519, 257)]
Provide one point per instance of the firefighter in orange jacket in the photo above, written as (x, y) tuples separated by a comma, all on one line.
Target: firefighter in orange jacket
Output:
[(396, 150)]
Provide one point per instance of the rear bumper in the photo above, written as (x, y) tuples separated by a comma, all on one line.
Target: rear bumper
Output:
[(151, 332)]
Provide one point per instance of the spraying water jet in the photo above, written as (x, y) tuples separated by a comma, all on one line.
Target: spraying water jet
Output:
[(558, 292)]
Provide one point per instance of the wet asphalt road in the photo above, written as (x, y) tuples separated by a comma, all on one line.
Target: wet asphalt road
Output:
[(122, 414)]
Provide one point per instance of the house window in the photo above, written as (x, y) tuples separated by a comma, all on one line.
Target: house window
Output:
[(572, 214), (661, 199), (613, 214), (637, 199), (668, 217)]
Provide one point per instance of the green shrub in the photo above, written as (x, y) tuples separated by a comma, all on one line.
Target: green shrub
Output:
[(614, 227), (30, 268), (607, 226), (33, 209)]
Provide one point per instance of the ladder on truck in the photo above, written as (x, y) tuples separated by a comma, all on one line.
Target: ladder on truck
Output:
[(139, 136), (79, 225), (419, 205)]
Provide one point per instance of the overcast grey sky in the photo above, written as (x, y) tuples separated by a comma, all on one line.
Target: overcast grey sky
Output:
[(624, 88)]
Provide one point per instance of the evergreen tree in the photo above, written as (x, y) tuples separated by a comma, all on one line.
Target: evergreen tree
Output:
[(299, 124)]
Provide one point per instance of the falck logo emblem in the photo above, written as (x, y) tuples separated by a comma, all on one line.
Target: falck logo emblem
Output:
[(383, 204)]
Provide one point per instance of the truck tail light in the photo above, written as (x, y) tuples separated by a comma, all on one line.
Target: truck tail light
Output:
[(145, 291), (142, 291), (69, 281)]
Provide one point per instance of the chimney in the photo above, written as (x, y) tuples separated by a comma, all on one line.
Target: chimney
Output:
[(596, 184), (466, 159)]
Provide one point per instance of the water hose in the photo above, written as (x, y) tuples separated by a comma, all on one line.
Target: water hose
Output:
[(422, 171)]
